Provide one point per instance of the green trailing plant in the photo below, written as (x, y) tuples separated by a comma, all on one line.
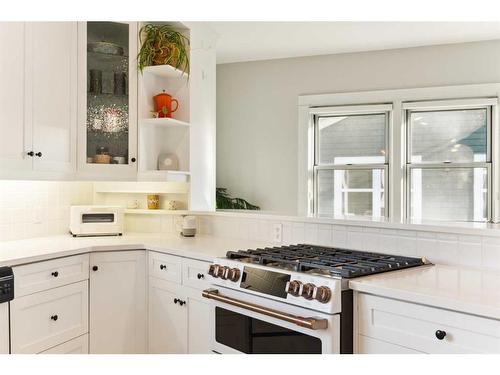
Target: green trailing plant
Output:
[(226, 202), (163, 45)]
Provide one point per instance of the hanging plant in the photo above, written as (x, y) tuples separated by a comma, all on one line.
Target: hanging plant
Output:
[(226, 202), (163, 45)]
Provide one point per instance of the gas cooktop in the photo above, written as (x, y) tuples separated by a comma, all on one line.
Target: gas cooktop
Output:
[(324, 261)]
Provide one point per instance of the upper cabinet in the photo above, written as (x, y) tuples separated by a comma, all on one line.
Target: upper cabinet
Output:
[(38, 98), (107, 100)]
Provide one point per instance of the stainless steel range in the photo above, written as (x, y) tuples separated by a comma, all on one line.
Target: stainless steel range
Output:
[(289, 299)]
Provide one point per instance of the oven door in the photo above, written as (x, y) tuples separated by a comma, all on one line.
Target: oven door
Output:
[(245, 323)]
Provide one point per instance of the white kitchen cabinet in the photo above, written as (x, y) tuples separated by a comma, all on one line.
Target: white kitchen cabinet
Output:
[(79, 345), (52, 76), (107, 100), (43, 320), (118, 312), (38, 98), (4, 328), (15, 136), (386, 325), (167, 319), (35, 277), (179, 317)]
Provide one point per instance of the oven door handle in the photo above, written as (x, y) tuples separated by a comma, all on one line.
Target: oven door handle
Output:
[(311, 323)]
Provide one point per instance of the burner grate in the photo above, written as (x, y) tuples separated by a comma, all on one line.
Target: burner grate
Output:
[(325, 260)]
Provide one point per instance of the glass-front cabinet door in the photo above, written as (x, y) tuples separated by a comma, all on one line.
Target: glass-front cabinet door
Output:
[(108, 96)]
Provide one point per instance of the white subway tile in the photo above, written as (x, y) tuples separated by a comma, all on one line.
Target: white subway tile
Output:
[(311, 233), (325, 234)]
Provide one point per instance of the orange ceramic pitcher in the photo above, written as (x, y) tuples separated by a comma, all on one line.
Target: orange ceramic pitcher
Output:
[(163, 104)]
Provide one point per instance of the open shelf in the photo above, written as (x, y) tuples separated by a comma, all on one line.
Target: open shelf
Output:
[(165, 71), (168, 176), (164, 122), (139, 211), (141, 187)]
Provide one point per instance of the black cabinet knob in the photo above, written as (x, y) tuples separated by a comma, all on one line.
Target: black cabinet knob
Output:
[(31, 153), (54, 317), (182, 303), (200, 276), (55, 273), (95, 268), (133, 160), (163, 267), (39, 154), (440, 334), (176, 300)]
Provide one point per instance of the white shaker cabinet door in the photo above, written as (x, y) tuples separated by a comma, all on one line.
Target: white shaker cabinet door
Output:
[(4, 328), (118, 302), (167, 318), (15, 135), (52, 93), (199, 323)]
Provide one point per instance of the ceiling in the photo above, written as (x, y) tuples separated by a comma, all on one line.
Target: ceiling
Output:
[(248, 41)]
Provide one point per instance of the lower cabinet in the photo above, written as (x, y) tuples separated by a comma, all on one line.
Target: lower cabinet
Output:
[(390, 326), (118, 302), (43, 320), (79, 345), (178, 319)]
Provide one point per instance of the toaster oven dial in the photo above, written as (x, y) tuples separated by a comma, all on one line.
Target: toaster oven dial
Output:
[(293, 287), (308, 290), (323, 294), (233, 274)]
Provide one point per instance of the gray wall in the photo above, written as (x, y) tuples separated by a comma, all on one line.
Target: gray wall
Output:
[(257, 106)]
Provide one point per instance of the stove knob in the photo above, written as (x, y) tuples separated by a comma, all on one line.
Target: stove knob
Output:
[(233, 274), (293, 287), (323, 294), (308, 291), (222, 272), (212, 270)]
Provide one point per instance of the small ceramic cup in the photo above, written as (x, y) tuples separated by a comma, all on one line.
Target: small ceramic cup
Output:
[(171, 205), (153, 201)]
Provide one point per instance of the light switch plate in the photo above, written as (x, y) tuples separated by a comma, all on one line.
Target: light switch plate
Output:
[(277, 232)]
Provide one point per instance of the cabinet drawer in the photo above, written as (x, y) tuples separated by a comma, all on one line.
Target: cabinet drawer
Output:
[(165, 267), (43, 320), (414, 326), (80, 345), (194, 273), (36, 277)]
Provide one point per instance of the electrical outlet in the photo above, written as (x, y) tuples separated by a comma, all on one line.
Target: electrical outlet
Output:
[(277, 232)]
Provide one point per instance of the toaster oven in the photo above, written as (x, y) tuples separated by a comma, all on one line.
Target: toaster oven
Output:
[(96, 221)]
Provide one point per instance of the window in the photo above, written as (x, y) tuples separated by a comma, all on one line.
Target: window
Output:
[(448, 161), (350, 161)]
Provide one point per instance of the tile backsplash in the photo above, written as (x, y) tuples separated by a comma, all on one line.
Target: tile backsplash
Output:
[(478, 251), (39, 208)]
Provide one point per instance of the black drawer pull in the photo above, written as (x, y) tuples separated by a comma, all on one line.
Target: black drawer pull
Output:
[(440, 334), (200, 276), (54, 317), (182, 303), (176, 300), (95, 268), (31, 153), (163, 267), (55, 273), (39, 154)]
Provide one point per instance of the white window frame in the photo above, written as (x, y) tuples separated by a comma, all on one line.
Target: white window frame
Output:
[(449, 105), (315, 166), (397, 176)]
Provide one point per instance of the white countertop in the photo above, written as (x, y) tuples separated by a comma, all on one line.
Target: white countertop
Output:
[(206, 248), (461, 289)]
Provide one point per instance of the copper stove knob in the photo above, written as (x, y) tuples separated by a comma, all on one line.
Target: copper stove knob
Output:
[(222, 272), (212, 270), (233, 274), (308, 291), (323, 294), (293, 287)]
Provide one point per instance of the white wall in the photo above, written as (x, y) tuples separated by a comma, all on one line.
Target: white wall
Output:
[(257, 106)]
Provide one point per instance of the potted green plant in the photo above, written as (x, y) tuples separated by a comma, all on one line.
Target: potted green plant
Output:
[(226, 202), (163, 45)]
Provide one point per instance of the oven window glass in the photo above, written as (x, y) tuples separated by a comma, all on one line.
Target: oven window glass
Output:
[(254, 336), (264, 281), (98, 218)]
